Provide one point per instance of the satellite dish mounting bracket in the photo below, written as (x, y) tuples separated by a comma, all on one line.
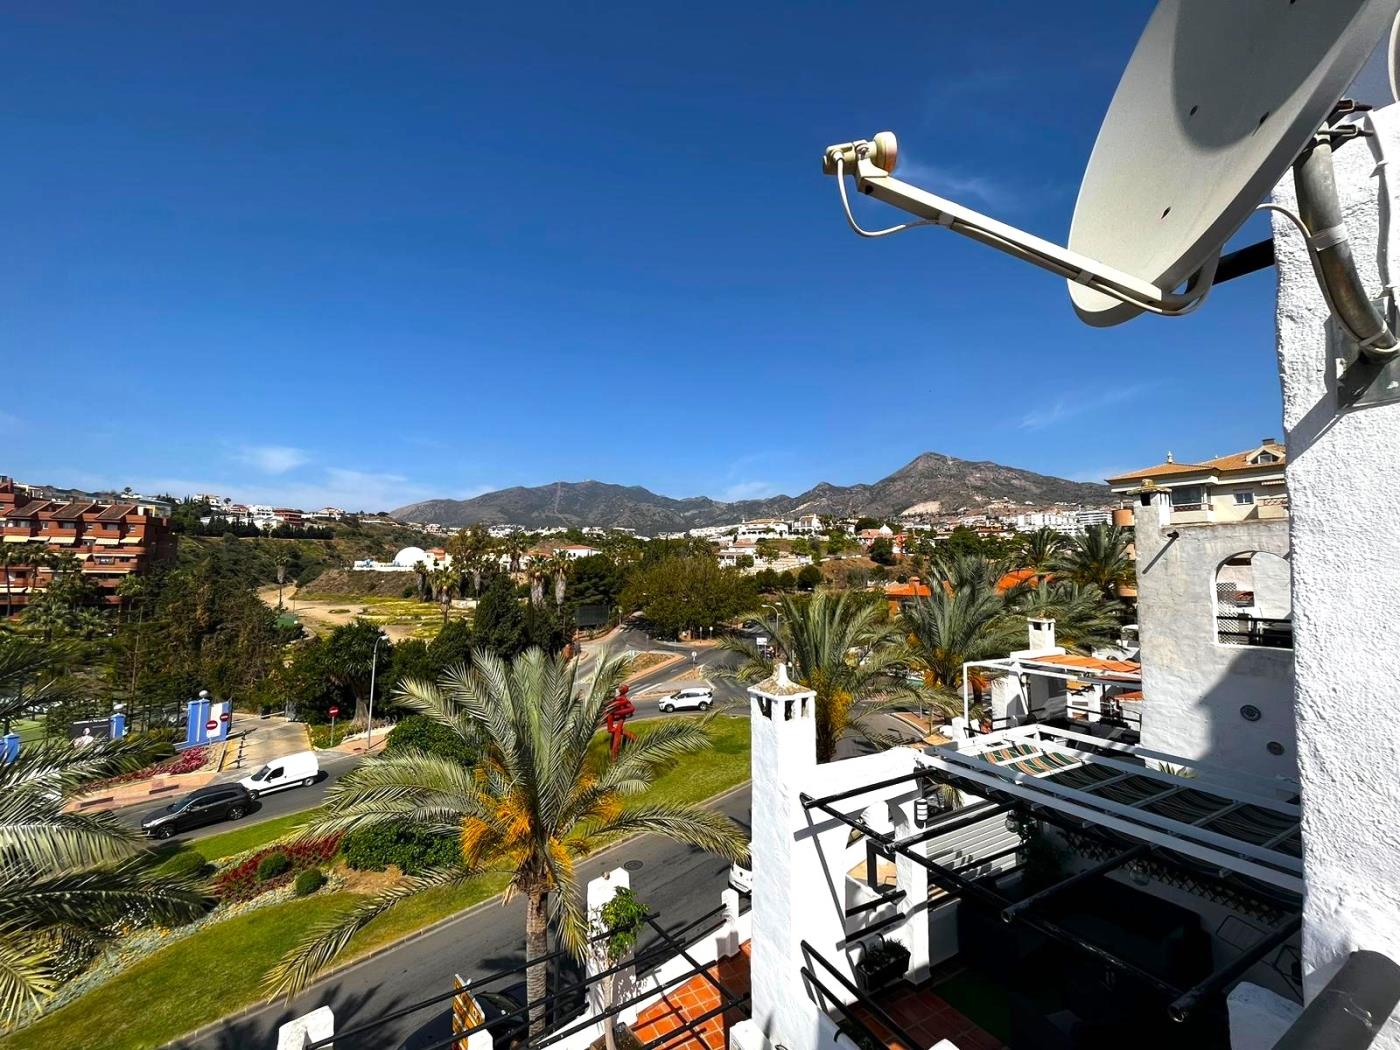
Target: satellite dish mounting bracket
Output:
[(871, 164)]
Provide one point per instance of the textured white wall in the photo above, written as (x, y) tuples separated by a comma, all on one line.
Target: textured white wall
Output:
[(1193, 686), (799, 878), (1345, 527)]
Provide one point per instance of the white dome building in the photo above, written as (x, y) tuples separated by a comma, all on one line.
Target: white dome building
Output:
[(411, 556)]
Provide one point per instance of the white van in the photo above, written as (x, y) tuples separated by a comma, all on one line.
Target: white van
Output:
[(287, 771)]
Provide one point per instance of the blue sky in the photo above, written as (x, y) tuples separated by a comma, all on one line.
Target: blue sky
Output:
[(370, 253)]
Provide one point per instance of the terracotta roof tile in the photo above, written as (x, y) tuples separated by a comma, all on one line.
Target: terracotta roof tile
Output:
[(1232, 462)]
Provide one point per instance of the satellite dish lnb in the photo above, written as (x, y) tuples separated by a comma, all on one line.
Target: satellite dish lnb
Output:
[(1219, 98)]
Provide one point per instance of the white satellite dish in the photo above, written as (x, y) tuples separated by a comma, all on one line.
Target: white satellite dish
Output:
[(1218, 99), (1216, 102), (1393, 58)]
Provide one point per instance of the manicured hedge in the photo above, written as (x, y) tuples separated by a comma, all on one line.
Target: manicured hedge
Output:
[(309, 881), (411, 849), (272, 865), (186, 864)]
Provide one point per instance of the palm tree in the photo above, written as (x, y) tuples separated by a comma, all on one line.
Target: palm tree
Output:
[(955, 624), (557, 567), (539, 572), (65, 875), (514, 546), (280, 560), (1083, 620), (445, 579), (1099, 558), (836, 645), (421, 568), (532, 805), (1041, 549)]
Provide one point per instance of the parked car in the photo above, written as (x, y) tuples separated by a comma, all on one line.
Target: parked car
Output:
[(696, 698), (208, 805), (740, 878), (299, 768)]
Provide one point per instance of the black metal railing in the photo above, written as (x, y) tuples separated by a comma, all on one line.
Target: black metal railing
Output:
[(1241, 629)]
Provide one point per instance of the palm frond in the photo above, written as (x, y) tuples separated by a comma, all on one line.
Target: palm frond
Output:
[(327, 939), (26, 975)]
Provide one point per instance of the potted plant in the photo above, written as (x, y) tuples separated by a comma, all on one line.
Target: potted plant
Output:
[(882, 963)]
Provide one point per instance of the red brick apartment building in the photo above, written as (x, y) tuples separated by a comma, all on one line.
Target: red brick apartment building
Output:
[(111, 541)]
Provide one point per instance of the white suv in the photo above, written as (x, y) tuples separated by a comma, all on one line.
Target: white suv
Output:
[(698, 698)]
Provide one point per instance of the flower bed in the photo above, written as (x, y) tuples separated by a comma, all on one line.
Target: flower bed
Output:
[(240, 882), (186, 761)]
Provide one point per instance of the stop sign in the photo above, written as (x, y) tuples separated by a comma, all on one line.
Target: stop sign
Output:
[(335, 711), (211, 725)]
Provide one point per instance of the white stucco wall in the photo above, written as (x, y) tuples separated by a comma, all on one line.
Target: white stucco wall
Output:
[(1195, 686), (1345, 530), (799, 877)]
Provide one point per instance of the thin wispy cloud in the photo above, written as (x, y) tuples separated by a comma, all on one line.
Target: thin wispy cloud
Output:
[(272, 459), (964, 187), (749, 490), (1074, 405)]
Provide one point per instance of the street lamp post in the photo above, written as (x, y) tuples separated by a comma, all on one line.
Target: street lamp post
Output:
[(373, 666)]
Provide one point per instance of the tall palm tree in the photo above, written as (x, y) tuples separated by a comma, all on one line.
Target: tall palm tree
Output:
[(1099, 558), (65, 875), (1041, 549), (955, 624), (445, 579), (838, 646), (532, 805), (539, 573), (556, 567), (421, 568), (1083, 620), (280, 561), (514, 546)]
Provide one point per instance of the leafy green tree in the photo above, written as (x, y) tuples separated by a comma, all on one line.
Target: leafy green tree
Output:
[(68, 879), (453, 645), (687, 594), (348, 660), (419, 733), (412, 659), (596, 580), (534, 803), (839, 647), (867, 523), (808, 577), (500, 621), (882, 551)]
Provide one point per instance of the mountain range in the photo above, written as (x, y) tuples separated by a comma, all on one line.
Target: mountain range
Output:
[(931, 477)]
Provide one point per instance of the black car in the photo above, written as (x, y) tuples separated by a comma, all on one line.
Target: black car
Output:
[(208, 805)]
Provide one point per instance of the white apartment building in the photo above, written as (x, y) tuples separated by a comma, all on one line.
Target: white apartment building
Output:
[(1245, 486)]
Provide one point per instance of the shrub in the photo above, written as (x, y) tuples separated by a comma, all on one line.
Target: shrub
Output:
[(186, 761), (309, 881), (272, 865), (241, 882), (421, 733), (410, 848), (187, 864)]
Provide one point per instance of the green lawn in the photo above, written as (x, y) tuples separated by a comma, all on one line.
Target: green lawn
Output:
[(144, 1008), (179, 988)]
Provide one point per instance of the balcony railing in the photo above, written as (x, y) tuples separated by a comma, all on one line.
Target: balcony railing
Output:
[(1255, 631)]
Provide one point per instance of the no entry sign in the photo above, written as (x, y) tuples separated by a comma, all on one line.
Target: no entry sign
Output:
[(212, 724), (335, 711)]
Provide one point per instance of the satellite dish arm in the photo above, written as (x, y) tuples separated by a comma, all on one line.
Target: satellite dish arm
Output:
[(860, 160)]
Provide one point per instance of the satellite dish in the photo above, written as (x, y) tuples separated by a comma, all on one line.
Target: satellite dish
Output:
[(1393, 58), (1214, 105), (1218, 99)]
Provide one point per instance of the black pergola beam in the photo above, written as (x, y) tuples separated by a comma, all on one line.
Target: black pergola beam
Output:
[(922, 773), (888, 897), (1185, 1005), (1035, 900), (883, 838)]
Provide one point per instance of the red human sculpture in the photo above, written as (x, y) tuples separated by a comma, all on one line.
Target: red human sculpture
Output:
[(618, 711)]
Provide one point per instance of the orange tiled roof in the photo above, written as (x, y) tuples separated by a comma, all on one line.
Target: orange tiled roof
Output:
[(1092, 663), (679, 1008), (1220, 464), (1016, 577), (907, 590)]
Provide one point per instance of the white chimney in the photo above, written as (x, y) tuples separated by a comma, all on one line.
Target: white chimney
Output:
[(1040, 632)]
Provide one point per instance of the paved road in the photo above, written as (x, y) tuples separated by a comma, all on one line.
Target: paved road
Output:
[(278, 804), (679, 882)]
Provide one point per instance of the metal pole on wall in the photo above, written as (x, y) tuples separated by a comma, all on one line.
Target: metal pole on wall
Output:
[(373, 665)]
